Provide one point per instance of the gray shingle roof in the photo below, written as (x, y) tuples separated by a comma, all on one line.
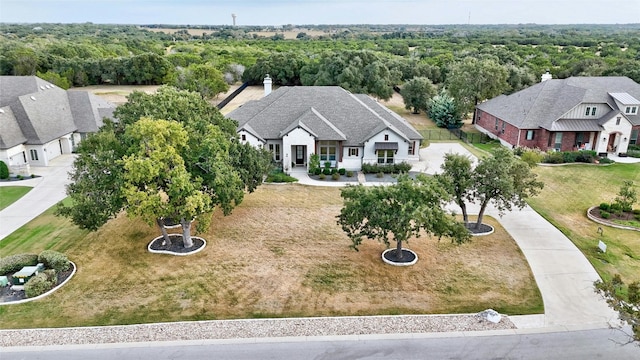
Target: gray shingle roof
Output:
[(10, 133), (44, 112), (330, 112), (88, 110), (542, 104)]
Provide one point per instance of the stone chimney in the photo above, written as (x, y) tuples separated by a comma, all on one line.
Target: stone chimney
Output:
[(546, 76), (267, 85)]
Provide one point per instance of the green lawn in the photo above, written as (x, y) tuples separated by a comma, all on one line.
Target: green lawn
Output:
[(569, 191), (9, 194)]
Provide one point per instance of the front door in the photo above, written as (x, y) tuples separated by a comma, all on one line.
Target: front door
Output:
[(300, 154)]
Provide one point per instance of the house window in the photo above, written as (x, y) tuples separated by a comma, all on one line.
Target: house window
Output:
[(24, 156), (34, 154), (412, 145), (327, 151), (579, 140), (353, 151), (275, 150), (631, 110), (593, 111), (618, 120), (588, 111), (385, 156), (244, 137), (496, 124), (386, 137), (558, 141), (634, 137), (530, 134), (634, 109), (504, 125)]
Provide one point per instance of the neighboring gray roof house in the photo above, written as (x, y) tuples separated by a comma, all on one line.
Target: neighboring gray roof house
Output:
[(43, 112), (585, 105), (36, 112), (295, 122), (328, 112)]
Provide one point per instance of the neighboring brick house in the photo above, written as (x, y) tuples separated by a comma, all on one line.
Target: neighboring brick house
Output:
[(39, 121), (593, 113), (344, 129)]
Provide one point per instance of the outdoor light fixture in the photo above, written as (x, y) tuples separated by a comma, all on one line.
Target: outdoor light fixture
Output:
[(625, 139)]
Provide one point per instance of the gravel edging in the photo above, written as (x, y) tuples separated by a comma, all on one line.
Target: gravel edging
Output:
[(253, 328)]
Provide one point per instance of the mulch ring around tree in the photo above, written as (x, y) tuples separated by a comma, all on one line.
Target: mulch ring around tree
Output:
[(390, 256), (8, 296), (483, 229), (176, 247)]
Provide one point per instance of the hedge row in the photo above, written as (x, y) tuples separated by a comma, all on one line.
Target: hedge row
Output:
[(402, 167), (13, 263)]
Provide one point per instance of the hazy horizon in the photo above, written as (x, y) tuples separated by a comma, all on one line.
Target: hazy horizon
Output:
[(327, 12)]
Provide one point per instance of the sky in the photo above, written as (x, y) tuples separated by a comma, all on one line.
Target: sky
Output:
[(299, 12)]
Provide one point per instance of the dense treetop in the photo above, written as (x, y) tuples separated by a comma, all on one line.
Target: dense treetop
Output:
[(87, 54)]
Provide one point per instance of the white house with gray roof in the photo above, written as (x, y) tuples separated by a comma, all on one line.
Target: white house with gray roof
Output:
[(593, 113), (39, 121), (344, 129)]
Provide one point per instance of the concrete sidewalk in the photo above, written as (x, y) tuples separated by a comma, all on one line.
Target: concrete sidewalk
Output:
[(48, 190)]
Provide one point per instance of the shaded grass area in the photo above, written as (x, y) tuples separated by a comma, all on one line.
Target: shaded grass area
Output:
[(279, 254), (569, 191), (9, 194)]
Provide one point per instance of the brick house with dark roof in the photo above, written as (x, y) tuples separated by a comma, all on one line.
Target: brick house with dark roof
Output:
[(39, 121), (593, 113), (344, 129)]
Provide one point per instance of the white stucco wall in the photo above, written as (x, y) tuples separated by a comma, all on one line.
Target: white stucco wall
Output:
[(369, 153), (15, 159), (252, 140), (352, 163), (295, 137), (620, 132)]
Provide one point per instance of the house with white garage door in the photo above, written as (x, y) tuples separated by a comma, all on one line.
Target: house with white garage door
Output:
[(40, 121), (344, 129)]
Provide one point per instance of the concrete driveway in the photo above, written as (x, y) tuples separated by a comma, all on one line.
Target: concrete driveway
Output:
[(48, 190)]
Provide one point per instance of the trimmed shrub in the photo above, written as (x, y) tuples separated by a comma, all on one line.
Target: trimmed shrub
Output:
[(334, 171), (380, 174), (13, 263), (349, 173), (326, 171), (604, 206), (531, 157), (605, 160), (327, 164), (335, 176), (604, 214), (280, 177), (553, 158), (4, 170), (317, 171), (585, 156), (54, 260), (342, 171), (322, 176), (40, 283), (403, 167), (615, 207), (20, 177), (569, 156), (633, 153)]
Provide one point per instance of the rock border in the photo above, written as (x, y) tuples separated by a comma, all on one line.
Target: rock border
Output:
[(608, 223), (75, 268), (167, 252), (415, 260), (483, 233)]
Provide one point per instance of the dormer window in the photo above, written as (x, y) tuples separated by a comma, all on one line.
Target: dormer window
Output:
[(631, 110), (591, 111)]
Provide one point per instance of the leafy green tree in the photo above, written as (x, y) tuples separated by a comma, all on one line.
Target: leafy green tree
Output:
[(457, 178), (628, 307), (471, 80), (202, 78), (156, 180), (4, 170), (283, 68), (96, 178), (416, 94), (114, 164), (56, 79), (443, 109), (627, 196), (503, 180), (398, 212)]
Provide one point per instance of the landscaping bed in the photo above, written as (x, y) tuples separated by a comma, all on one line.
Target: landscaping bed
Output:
[(7, 295)]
